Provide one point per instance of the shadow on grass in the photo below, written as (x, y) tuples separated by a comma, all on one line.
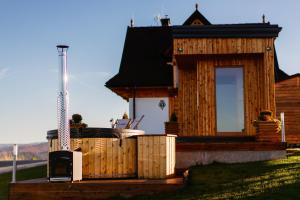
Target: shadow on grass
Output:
[(277, 179), (25, 174)]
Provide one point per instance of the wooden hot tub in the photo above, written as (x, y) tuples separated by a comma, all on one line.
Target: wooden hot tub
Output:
[(106, 152)]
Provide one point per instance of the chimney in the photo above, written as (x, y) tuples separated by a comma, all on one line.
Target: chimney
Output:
[(63, 101), (165, 21)]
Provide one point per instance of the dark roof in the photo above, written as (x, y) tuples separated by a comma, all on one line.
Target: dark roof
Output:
[(289, 77), (253, 30), (279, 74), (292, 76), (196, 15), (147, 50)]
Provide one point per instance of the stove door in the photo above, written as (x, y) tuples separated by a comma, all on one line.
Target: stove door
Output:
[(60, 165)]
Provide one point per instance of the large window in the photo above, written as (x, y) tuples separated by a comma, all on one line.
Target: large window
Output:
[(230, 99)]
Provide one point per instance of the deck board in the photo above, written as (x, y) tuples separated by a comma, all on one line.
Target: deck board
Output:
[(91, 189)]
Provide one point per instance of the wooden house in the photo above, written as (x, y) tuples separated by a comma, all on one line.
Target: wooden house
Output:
[(217, 78), (288, 101)]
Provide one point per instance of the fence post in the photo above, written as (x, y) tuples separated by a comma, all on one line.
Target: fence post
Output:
[(282, 127), (15, 157)]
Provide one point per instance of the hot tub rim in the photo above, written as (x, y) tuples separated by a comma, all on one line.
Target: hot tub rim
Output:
[(93, 132)]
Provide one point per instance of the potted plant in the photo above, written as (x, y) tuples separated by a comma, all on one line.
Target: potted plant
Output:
[(172, 127), (76, 121)]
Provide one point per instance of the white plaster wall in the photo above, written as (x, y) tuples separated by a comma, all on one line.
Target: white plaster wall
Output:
[(154, 116), (187, 159)]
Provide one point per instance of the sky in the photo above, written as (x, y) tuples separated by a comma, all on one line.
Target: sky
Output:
[(95, 31)]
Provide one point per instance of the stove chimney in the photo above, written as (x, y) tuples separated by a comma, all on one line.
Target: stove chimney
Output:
[(63, 101), (165, 21)]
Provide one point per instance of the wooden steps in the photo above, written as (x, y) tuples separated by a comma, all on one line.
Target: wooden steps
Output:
[(215, 139), (226, 143), (230, 146), (90, 189)]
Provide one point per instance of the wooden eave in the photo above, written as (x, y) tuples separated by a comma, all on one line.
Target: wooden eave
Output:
[(139, 92)]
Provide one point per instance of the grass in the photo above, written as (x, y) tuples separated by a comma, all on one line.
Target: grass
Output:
[(5, 179), (278, 179), (275, 180)]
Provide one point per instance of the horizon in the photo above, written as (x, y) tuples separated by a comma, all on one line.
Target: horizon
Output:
[(95, 32)]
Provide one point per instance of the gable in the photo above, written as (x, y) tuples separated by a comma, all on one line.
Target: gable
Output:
[(196, 19), (197, 22)]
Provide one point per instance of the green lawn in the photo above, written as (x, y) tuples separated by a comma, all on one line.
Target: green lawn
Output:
[(278, 179), (5, 179)]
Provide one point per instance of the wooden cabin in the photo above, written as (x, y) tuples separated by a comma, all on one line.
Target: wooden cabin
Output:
[(217, 78), (288, 101)]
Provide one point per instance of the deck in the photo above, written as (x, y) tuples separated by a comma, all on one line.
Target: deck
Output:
[(192, 151), (90, 189)]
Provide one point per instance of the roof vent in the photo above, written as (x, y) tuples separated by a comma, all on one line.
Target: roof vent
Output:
[(165, 21)]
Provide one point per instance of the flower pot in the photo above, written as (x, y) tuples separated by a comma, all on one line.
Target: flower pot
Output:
[(268, 131), (171, 128)]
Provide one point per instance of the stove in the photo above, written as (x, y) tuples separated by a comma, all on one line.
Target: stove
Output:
[(65, 166)]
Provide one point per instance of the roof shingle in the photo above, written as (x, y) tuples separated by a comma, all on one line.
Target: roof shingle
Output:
[(147, 50)]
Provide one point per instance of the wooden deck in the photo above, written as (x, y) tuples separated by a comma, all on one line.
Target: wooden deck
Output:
[(90, 189), (192, 151)]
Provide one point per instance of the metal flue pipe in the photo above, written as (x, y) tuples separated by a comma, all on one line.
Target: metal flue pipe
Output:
[(63, 100)]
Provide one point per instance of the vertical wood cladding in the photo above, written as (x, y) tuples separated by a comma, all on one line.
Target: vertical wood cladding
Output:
[(104, 157), (196, 92), (156, 156)]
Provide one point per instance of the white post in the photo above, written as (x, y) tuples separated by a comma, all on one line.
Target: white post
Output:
[(282, 127), (15, 157)]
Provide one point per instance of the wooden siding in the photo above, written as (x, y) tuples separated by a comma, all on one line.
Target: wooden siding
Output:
[(288, 101), (199, 76), (105, 157), (196, 59), (209, 46), (156, 156)]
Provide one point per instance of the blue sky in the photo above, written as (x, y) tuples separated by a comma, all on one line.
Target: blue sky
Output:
[(95, 31)]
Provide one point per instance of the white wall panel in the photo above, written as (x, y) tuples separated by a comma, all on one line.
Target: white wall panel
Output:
[(154, 115)]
